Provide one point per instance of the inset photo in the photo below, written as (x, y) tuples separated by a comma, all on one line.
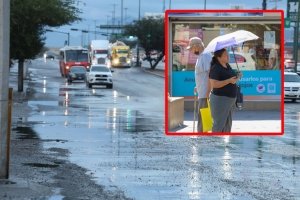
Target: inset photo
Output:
[(224, 72)]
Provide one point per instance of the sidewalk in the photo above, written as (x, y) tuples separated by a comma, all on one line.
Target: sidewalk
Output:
[(38, 173), (158, 71), (243, 122)]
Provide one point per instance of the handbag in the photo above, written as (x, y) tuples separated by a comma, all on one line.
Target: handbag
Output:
[(206, 117), (239, 98)]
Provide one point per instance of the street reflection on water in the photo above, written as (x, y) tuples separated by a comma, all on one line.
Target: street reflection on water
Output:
[(123, 144)]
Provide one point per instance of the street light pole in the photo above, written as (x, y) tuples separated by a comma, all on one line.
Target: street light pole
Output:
[(67, 33), (4, 84), (121, 13), (296, 37), (137, 43), (139, 10)]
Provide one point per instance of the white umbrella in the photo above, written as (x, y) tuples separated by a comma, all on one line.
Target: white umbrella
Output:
[(229, 39)]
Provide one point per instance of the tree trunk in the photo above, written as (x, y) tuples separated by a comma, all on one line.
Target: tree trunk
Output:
[(157, 61), (20, 75)]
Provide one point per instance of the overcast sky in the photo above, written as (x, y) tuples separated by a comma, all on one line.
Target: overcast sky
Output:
[(100, 12)]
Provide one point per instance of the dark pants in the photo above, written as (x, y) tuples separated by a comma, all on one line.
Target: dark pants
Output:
[(221, 110)]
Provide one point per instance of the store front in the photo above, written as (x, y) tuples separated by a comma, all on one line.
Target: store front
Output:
[(260, 80)]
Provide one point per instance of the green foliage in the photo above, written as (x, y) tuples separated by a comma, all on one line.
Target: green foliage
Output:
[(28, 20), (149, 31)]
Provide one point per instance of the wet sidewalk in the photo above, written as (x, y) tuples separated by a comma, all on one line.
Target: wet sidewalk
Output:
[(158, 71), (243, 122)]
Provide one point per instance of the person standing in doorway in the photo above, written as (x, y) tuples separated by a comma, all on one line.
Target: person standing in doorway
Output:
[(202, 67), (273, 58)]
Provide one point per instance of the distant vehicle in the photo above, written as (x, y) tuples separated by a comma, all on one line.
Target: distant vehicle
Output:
[(289, 65), (70, 56), (49, 55), (245, 61), (76, 73), (291, 86), (99, 51), (120, 55), (99, 75)]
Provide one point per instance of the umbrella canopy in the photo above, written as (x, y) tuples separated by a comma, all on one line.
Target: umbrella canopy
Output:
[(229, 39)]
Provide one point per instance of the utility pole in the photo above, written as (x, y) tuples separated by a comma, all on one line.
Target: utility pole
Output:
[(296, 36), (4, 74), (121, 13), (137, 43), (264, 5), (114, 16), (125, 18)]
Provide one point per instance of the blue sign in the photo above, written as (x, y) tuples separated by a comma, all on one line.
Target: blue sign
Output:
[(261, 82), (253, 83), (183, 83)]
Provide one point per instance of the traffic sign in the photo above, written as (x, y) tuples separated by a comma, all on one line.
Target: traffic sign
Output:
[(287, 23), (292, 11), (110, 26)]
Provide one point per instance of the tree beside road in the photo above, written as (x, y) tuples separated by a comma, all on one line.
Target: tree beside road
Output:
[(28, 20), (150, 34)]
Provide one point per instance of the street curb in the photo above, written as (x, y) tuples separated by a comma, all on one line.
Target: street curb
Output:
[(154, 72)]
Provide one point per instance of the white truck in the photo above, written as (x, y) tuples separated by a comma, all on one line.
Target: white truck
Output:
[(99, 51)]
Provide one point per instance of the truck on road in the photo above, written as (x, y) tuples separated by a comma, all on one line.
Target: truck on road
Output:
[(120, 55), (98, 51)]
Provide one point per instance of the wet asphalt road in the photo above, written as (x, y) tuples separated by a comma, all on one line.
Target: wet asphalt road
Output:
[(118, 136)]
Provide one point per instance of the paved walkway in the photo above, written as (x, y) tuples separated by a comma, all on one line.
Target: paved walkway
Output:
[(243, 122)]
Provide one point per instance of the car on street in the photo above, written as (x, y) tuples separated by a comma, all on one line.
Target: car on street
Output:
[(298, 67), (76, 73), (245, 61), (289, 65), (99, 75), (291, 86), (49, 55)]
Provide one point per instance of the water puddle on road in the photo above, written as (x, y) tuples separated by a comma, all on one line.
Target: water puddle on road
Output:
[(127, 120), (26, 133), (41, 165)]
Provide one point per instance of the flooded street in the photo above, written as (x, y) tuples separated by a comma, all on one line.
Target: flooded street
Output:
[(118, 136)]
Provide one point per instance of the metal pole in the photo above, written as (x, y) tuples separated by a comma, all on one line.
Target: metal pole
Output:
[(204, 4), (68, 39), (137, 44), (125, 18), (264, 4), (139, 10), (10, 98), (4, 74), (296, 37), (121, 13)]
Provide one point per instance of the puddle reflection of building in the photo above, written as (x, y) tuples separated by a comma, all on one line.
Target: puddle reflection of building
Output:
[(226, 159), (122, 120), (226, 166), (194, 182), (44, 85)]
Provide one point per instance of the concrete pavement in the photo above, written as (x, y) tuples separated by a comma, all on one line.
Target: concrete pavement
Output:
[(243, 122)]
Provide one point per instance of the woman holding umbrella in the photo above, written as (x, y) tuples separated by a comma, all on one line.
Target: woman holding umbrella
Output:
[(223, 79), (224, 91)]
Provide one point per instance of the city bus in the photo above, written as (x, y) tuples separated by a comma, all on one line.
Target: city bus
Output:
[(72, 56)]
